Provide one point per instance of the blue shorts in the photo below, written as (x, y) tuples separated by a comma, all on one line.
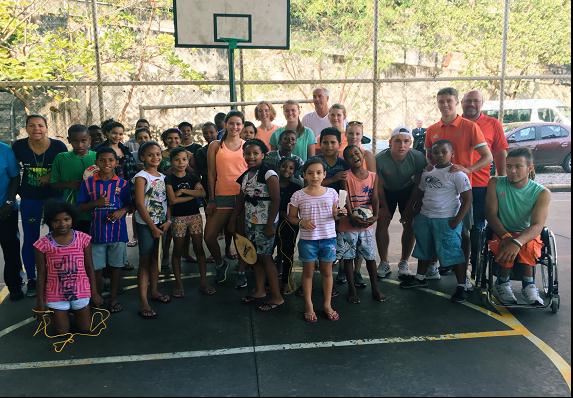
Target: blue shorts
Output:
[(255, 233), (112, 254), (352, 243), (67, 305), (435, 238), (322, 250), (145, 241)]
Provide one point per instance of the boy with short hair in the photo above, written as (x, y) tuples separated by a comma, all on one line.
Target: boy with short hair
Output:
[(438, 227), (287, 142), (68, 169), (109, 196)]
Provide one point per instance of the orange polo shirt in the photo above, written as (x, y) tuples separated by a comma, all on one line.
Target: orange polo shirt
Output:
[(495, 137), (465, 135)]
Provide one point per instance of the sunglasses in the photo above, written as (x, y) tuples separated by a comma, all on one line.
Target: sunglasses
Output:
[(355, 123)]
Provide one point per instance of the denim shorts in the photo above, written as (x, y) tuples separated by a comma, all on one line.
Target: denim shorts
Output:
[(322, 250), (112, 254), (350, 244), (145, 240), (67, 305), (435, 238), (255, 233)]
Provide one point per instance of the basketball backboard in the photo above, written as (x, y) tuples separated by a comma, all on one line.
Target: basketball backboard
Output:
[(254, 23)]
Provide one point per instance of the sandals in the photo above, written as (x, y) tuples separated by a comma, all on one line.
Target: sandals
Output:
[(114, 308), (353, 299), (178, 293), (332, 316), (310, 317), (268, 307), (162, 298), (147, 314), (208, 290)]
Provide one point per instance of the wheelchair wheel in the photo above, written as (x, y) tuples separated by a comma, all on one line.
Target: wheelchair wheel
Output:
[(555, 304)]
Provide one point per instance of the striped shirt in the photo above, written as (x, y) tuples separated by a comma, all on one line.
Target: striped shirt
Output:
[(66, 277), (317, 209), (118, 192)]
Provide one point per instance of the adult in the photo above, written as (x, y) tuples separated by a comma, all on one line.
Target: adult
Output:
[(265, 113), (225, 163), (9, 235), (318, 119), (516, 209), (36, 155), (399, 169), (492, 130), (419, 134), (305, 140), (471, 152), (337, 118)]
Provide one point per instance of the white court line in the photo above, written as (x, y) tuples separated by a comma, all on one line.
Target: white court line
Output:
[(251, 350)]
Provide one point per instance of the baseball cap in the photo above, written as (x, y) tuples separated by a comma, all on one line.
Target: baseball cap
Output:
[(401, 130)]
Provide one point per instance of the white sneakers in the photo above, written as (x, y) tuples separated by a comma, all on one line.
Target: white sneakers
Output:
[(403, 269), (433, 272), (383, 269), (531, 295), (504, 293)]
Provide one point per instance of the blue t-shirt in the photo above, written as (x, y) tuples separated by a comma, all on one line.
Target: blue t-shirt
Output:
[(119, 193), (331, 171), (8, 170), (36, 166)]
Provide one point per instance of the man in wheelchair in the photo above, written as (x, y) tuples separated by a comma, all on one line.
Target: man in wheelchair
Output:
[(516, 211)]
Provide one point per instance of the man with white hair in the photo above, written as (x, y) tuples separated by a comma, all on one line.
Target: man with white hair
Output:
[(318, 120), (399, 169), (419, 134)]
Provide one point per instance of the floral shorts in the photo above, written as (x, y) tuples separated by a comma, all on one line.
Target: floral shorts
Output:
[(193, 223)]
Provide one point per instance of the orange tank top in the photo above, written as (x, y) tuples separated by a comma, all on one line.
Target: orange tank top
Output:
[(230, 165)]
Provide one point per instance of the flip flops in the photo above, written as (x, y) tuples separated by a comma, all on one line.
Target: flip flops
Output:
[(268, 307), (114, 308), (310, 317), (162, 298), (207, 291), (332, 316), (147, 314)]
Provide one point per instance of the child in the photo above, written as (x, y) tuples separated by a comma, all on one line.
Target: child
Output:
[(438, 227), (355, 234), (354, 135), (260, 196), (286, 232), (209, 131), (287, 142), (68, 169), (142, 134), (315, 209), (183, 190), (126, 165), (109, 199), (66, 277), (249, 131), (152, 219), (96, 136)]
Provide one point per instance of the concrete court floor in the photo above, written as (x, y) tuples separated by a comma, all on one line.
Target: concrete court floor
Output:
[(415, 344)]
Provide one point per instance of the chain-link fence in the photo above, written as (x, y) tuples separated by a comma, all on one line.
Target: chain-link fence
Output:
[(383, 85)]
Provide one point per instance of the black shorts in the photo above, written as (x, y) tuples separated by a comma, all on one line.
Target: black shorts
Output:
[(398, 198)]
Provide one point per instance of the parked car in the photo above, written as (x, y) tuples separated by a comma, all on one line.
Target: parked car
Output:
[(549, 142), (530, 110), (380, 144)]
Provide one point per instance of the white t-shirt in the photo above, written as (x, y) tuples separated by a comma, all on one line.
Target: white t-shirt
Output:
[(315, 123), (155, 197), (442, 191)]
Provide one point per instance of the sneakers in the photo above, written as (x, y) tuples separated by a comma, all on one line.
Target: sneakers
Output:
[(403, 270), (531, 295), (504, 293), (383, 270), (459, 295), (241, 280), (433, 273), (359, 280), (221, 272), (31, 291), (411, 282), (341, 277)]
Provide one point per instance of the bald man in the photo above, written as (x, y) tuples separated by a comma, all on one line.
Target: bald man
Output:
[(492, 130)]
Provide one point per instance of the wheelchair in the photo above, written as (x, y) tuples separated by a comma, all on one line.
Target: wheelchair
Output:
[(546, 269)]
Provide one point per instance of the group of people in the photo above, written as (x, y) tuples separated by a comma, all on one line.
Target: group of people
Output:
[(310, 180)]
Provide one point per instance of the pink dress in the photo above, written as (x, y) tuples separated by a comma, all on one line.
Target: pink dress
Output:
[(66, 278)]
